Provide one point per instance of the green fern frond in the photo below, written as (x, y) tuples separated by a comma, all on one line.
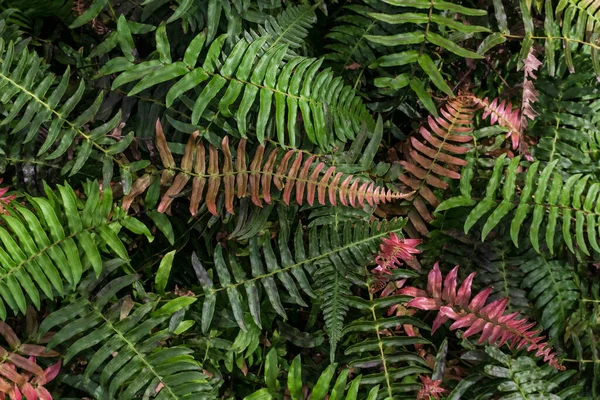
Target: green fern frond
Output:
[(342, 389), (422, 23), (544, 197), (290, 28), (522, 379), (385, 360), (135, 335), (331, 112), (56, 241), (342, 252), (553, 290), (25, 83)]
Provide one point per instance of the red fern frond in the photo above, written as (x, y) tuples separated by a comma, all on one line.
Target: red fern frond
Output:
[(20, 375), (430, 389), (434, 155), (4, 199), (392, 251), (503, 114), (471, 312)]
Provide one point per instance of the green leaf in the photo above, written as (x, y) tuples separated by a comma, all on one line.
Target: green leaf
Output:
[(430, 69), (164, 270), (174, 305)]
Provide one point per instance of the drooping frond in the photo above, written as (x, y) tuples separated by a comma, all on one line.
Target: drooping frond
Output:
[(125, 345), (471, 312), (433, 155), (331, 111), (419, 25), (47, 246), (299, 176), (544, 197)]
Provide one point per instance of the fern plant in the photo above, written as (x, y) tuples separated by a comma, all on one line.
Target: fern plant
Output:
[(237, 199)]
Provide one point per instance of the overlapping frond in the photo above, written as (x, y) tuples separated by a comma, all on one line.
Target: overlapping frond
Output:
[(419, 25), (544, 198), (435, 154), (125, 343), (331, 257), (383, 343), (471, 312), (331, 111), (33, 101), (45, 248), (299, 176)]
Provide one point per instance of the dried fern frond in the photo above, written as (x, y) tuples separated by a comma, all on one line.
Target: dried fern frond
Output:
[(470, 312), (432, 156), (269, 166)]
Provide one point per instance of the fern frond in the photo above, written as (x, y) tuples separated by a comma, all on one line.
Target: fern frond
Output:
[(470, 312), (142, 363), (433, 156), (290, 28), (55, 241), (270, 166), (25, 83), (297, 388), (501, 112), (427, 26), (522, 379), (331, 112), (332, 256), (385, 360), (20, 373), (545, 197), (553, 290)]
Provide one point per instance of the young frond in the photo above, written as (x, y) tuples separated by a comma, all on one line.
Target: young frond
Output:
[(471, 312), (20, 375), (270, 169)]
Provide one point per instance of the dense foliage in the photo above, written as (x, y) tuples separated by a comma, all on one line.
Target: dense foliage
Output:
[(271, 199)]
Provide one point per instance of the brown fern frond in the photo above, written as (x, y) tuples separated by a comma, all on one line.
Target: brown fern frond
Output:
[(471, 312), (298, 177), (435, 155)]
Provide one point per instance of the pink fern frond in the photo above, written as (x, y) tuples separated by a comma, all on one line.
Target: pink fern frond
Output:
[(503, 114), (430, 389), (487, 320), (393, 251)]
